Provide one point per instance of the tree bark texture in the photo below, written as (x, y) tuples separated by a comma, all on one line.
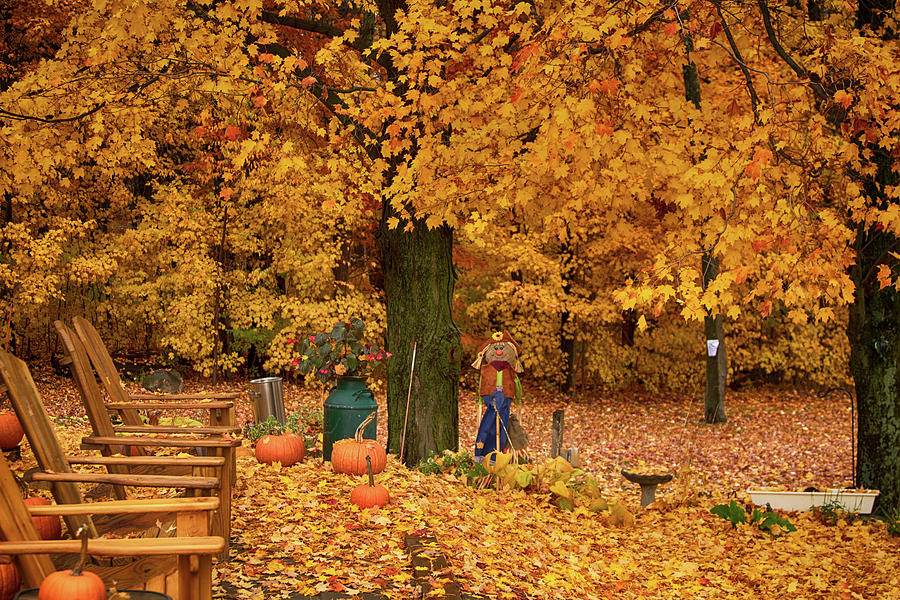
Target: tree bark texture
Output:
[(874, 327), (874, 335), (418, 283), (717, 364), (874, 332)]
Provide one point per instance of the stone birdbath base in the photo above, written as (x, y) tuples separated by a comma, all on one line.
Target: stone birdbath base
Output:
[(648, 484)]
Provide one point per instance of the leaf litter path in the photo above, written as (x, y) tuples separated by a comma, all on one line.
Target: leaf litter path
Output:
[(296, 533)]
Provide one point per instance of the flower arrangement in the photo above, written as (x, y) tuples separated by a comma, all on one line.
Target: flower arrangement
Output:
[(338, 353)]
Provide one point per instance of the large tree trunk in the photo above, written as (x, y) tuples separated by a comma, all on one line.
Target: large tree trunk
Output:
[(418, 284), (874, 332)]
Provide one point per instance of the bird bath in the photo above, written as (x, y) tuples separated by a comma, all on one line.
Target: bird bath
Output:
[(648, 484)]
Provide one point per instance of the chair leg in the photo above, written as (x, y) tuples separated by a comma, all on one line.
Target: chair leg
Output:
[(187, 581), (222, 518), (204, 578)]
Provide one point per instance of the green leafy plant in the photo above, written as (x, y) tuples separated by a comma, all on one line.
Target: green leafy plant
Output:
[(338, 353), (306, 421), (892, 519), (765, 520), (253, 345), (832, 512), (732, 512), (271, 426), (458, 464)]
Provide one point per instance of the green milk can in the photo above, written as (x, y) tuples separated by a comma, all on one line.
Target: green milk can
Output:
[(347, 406)]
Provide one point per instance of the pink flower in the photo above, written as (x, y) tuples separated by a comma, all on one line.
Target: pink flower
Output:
[(312, 339), (379, 356), (388, 354), (323, 370), (295, 361)]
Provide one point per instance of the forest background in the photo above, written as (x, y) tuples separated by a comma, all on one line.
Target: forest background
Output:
[(612, 183), (149, 238)]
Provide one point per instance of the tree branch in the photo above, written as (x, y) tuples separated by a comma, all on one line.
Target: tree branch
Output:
[(639, 28), (320, 27), (21, 117), (362, 43), (736, 53), (817, 87)]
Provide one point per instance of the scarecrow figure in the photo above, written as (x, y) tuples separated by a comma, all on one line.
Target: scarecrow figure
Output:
[(498, 362)]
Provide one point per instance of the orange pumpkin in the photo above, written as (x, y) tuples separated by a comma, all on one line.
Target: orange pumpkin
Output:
[(130, 450), (10, 580), (286, 449), (349, 456), (10, 431), (49, 527), (75, 584), (369, 495)]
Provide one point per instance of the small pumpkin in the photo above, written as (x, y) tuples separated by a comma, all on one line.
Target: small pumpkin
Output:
[(287, 449), (75, 584), (49, 527), (349, 456), (130, 450), (10, 431), (370, 494), (10, 580)]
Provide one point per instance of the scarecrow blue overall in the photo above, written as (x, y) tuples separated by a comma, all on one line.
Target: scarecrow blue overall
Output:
[(499, 385)]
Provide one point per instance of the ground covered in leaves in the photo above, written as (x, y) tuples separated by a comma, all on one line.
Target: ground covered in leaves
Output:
[(295, 532)]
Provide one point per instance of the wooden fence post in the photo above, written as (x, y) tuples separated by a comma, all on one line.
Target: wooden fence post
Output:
[(557, 439)]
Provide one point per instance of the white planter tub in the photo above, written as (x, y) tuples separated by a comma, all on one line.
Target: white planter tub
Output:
[(851, 501)]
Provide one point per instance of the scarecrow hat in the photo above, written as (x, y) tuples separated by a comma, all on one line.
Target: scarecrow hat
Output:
[(499, 336)]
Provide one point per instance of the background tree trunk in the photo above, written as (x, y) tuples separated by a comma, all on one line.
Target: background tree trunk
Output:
[(717, 364), (418, 283)]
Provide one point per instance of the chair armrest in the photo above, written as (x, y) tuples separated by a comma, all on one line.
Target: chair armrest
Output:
[(164, 461), (166, 441), (121, 547), (208, 430), (216, 396), (186, 481), (126, 507), (156, 405)]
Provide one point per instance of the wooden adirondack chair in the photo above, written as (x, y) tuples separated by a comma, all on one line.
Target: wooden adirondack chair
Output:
[(86, 354), (179, 566), (56, 465), (221, 406)]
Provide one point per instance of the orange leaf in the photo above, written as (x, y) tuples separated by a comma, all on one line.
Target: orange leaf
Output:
[(842, 97), (232, 132)]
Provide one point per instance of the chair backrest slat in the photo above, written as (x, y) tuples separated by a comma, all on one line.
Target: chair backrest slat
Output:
[(105, 367), (84, 378), (34, 419), (16, 526)]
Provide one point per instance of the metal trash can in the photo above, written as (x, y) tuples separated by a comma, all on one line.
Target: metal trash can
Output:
[(346, 407), (268, 399)]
